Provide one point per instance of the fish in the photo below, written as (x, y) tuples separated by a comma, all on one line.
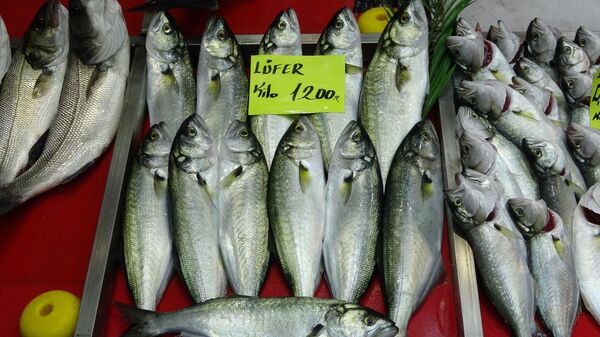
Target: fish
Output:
[(222, 85), (396, 82), (282, 38), (268, 317), (481, 156), (580, 114), (499, 258), (512, 156), (463, 28), (549, 165), (296, 199), (5, 52), (540, 46), (586, 227), (31, 89), (88, 114), (508, 42), (413, 224), (584, 143), (569, 56), (555, 109), (353, 206), (242, 209), (340, 37), (147, 244), (478, 193), (171, 85), (193, 179), (161, 5), (589, 42), (577, 87), (551, 263), (534, 74), (480, 58)]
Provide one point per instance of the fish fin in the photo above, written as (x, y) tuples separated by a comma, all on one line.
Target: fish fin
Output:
[(214, 85), (507, 232), (160, 182), (427, 187), (559, 246), (346, 187), (303, 176), (142, 321), (560, 124), (402, 75), (230, 178), (318, 331), (43, 84), (578, 190), (98, 76), (352, 69), (526, 114), (36, 151), (78, 172)]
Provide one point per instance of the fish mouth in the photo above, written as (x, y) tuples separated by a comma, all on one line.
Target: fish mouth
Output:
[(389, 331)]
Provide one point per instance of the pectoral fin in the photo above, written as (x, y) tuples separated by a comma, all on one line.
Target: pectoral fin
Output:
[(427, 188), (43, 84), (402, 75), (303, 177), (97, 79), (346, 187), (160, 182), (318, 331), (231, 177), (507, 232), (214, 86), (352, 69)]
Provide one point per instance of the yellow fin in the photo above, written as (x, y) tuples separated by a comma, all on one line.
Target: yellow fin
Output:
[(230, 178), (346, 187), (303, 177)]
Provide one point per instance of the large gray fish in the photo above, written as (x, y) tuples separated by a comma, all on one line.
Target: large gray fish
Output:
[(267, 317), (31, 89), (508, 42), (396, 82), (5, 53), (590, 42), (147, 243), (478, 193), (192, 187), (340, 37), (222, 85), (412, 224), (481, 156), (584, 143), (534, 74), (555, 109), (577, 86), (282, 38), (549, 165), (499, 259), (480, 59), (586, 230), (551, 263), (540, 45), (353, 203), (569, 56), (171, 86), (296, 195), (513, 157), (242, 208), (88, 113)]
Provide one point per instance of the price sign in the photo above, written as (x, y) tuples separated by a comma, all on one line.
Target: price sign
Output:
[(595, 102), (285, 85)]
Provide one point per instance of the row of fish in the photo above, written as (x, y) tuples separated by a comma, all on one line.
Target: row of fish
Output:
[(61, 97), (212, 188), (523, 139)]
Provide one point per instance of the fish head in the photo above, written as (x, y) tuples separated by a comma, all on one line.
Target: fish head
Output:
[(406, 34), (164, 41), (423, 141), (540, 41), (576, 86), (537, 95), (546, 157), (349, 320), (240, 144), (300, 141), (531, 216), (528, 70), (219, 45), (470, 203), (584, 143), (46, 42), (589, 42), (463, 28), (156, 146), (476, 124), (342, 36), (590, 205), (476, 153), (488, 99), (468, 53), (282, 36), (570, 56), (193, 148), (354, 149)]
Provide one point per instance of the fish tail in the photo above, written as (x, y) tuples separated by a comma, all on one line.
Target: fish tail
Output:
[(142, 321)]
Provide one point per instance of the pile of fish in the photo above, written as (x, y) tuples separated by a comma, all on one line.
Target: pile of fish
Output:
[(61, 96), (528, 157), (210, 185)]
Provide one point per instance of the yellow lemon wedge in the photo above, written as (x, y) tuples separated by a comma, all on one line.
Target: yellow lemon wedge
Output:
[(374, 20), (51, 314)]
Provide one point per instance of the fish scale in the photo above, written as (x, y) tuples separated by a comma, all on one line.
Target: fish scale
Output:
[(5, 53)]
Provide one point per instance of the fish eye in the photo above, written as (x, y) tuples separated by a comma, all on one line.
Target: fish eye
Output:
[(166, 28), (457, 202), (369, 321), (357, 137), (535, 37), (299, 128), (192, 132), (582, 42), (154, 135), (456, 52), (404, 18), (244, 132), (339, 24), (425, 135), (281, 25), (221, 35), (577, 143), (525, 69), (519, 212), (472, 100), (570, 84), (566, 49), (537, 153), (466, 149), (474, 114)]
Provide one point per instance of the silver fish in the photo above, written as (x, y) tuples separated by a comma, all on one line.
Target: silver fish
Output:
[(508, 42), (222, 85), (396, 82), (590, 42), (412, 224), (534, 74), (569, 56), (577, 87), (477, 198), (549, 164), (4, 49), (469, 54), (242, 208), (513, 157), (586, 230), (540, 45), (282, 38), (268, 317), (463, 28), (340, 37), (147, 243), (353, 204), (193, 181), (88, 116), (580, 114), (584, 143), (296, 195), (31, 89), (171, 86), (556, 110), (551, 263)]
